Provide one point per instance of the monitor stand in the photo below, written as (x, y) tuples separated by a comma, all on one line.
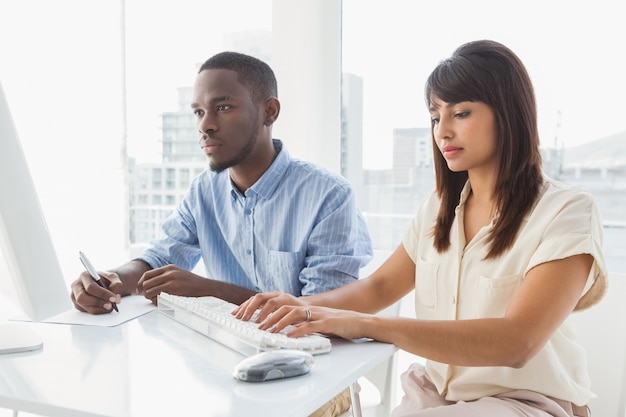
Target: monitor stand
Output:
[(19, 337)]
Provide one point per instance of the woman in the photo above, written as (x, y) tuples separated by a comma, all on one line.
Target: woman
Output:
[(499, 256)]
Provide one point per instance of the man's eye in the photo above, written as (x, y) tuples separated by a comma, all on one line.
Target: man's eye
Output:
[(198, 113), (223, 107)]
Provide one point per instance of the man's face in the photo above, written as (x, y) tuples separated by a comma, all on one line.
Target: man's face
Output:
[(227, 118)]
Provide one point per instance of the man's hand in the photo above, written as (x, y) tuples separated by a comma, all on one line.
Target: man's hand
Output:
[(89, 297), (172, 280)]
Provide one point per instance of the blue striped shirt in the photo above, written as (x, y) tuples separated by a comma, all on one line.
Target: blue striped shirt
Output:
[(296, 230)]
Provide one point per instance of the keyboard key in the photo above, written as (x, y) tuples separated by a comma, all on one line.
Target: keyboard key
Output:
[(211, 316)]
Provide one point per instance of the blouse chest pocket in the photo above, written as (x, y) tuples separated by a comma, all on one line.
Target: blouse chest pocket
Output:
[(493, 295), (425, 288)]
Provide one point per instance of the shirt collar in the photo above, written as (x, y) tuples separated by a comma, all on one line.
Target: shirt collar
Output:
[(467, 188), (465, 192), (267, 184)]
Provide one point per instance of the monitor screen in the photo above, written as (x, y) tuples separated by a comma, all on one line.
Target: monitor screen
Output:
[(34, 274)]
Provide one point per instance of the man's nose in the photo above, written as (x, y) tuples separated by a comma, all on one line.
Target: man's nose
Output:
[(206, 125)]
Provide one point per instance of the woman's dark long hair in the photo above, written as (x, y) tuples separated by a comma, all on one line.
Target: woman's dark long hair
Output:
[(489, 72)]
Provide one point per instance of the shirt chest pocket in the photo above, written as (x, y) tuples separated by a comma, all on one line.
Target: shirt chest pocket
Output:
[(281, 272), (493, 295), (426, 289)]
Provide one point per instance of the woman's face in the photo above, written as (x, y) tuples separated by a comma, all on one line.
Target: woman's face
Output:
[(465, 134)]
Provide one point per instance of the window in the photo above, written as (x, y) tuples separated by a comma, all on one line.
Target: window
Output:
[(63, 82), (183, 178), (82, 94), (109, 93), (577, 74)]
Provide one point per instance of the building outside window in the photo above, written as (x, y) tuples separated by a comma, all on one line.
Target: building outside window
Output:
[(145, 127)]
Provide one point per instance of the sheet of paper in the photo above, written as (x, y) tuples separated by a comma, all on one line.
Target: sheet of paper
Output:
[(132, 306)]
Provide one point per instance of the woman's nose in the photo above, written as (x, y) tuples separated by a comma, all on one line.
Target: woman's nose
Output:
[(442, 130)]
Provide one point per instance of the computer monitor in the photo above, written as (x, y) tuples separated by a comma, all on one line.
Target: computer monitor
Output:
[(34, 273)]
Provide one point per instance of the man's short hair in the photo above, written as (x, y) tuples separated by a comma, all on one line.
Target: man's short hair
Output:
[(252, 73)]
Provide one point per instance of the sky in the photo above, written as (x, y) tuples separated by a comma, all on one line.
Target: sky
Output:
[(573, 50), (61, 71)]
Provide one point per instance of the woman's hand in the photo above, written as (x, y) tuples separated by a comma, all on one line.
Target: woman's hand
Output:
[(268, 302), (279, 310), (314, 319)]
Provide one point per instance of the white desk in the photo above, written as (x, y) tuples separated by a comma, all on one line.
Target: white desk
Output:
[(153, 366)]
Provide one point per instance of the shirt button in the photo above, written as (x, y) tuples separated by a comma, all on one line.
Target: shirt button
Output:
[(453, 299), (248, 211), (249, 251)]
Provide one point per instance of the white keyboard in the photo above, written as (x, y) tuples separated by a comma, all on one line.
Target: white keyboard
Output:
[(212, 317)]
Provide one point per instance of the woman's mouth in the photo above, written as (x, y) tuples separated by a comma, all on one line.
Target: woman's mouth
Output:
[(450, 151)]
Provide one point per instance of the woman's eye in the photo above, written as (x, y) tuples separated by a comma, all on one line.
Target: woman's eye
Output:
[(434, 121), (462, 114)]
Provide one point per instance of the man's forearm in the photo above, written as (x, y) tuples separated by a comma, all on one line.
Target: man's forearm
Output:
[(130, 273), (230, 292)]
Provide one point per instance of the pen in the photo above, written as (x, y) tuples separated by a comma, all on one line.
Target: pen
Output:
[(94, 274)]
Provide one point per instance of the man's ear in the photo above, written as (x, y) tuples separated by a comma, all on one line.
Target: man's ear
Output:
[(272, 109)]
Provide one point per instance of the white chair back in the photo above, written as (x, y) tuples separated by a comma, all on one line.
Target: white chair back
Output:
[(602, 332)]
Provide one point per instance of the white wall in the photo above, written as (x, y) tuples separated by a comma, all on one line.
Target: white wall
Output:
[(306, 57)]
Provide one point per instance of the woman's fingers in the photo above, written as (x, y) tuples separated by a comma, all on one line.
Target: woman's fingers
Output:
[(266, 303)]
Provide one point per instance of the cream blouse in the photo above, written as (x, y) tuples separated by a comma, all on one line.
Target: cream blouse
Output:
[(459, 284)]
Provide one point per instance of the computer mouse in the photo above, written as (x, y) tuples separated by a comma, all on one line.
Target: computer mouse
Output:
[(273, 364)]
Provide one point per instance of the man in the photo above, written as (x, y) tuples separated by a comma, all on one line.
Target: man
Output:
[(260, 220)]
